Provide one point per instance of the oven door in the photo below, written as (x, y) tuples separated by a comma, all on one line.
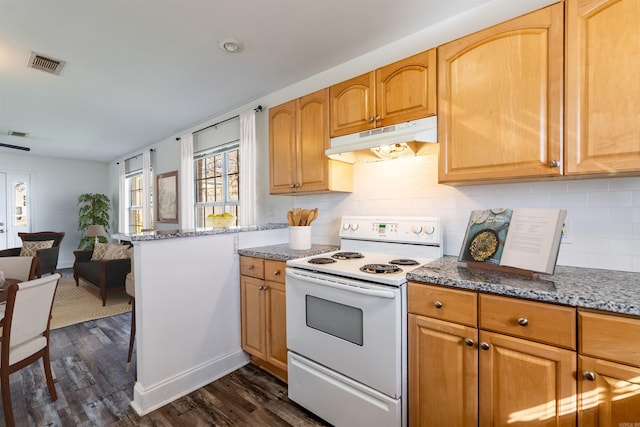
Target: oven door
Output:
[(349, 326)]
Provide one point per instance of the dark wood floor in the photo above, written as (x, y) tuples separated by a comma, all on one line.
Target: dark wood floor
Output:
[(88, 362)]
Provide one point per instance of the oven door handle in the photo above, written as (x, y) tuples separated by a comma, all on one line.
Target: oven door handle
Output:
[(343, 285)]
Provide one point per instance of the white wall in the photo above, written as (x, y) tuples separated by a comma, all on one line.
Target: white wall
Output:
[(55, 187)]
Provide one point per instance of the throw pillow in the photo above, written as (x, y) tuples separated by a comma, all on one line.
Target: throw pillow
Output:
[(115, 251), (99, 251), (29, 248)]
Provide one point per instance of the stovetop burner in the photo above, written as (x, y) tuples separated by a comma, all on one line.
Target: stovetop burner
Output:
[(404, 261), (347, 255), (380, 268), (321, 261)]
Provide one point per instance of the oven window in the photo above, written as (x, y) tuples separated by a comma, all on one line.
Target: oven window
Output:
[(335, 319)]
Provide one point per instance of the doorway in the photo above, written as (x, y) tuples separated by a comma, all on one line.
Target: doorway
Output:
[(15, 208)]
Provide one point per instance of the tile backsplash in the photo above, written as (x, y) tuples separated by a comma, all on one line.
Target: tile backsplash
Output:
[(603, 223)]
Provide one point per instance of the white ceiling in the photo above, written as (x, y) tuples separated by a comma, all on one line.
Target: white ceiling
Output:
[(138, 71)]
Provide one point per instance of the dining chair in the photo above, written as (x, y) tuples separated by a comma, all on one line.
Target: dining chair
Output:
[(130, 288), (25, 333), (22, 268)]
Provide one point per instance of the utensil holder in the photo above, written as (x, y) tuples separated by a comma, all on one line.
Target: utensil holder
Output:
[(300, 237)]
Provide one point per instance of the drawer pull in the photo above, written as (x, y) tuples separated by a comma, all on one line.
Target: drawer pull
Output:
[(469, 342), (276, 273), (484, 345), (589, 376), (438, 304), (523, 321), (250, 267)]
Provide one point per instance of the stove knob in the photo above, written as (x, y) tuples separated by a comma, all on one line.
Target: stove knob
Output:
[(416, 229), (346, 226), (354, 226), (428, 229)]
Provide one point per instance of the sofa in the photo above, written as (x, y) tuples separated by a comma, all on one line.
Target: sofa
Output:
[(44, 245), (105, 271)]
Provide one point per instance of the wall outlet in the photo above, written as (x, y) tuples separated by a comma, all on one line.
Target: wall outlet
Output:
[(271, 213)]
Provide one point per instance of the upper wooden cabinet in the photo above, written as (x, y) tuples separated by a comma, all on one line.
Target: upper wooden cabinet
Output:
[(298, 138), (603, 88), (500, 100), (396, 93)]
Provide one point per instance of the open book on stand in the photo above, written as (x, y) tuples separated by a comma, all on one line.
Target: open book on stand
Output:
[(525, 239)]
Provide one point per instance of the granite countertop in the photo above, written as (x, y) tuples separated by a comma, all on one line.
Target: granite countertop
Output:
[(608, 290), (283, 253), (178, 234)]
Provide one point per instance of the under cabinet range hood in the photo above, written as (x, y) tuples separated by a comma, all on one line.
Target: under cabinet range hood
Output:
[(389, 142)]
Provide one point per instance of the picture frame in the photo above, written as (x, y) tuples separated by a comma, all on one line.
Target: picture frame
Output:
[(167, 197)]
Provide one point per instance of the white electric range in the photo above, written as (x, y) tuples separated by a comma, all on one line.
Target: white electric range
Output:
[(346, 320)]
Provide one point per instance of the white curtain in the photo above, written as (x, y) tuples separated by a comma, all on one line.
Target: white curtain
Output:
[(247, 168), (122, 197), (146, 189), (186, 179)]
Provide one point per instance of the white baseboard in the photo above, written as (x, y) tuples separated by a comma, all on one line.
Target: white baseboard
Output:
[(150, 398)]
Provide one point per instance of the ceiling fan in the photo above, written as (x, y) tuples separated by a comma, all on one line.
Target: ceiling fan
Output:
[(15, 147)]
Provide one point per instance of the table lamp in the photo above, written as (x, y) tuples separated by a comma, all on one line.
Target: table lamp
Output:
[(96, 231)]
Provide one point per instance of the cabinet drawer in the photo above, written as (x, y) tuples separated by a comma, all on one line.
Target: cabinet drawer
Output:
[(609, 337), (274, 271), (536, 321), (253, 267), (443, 303)]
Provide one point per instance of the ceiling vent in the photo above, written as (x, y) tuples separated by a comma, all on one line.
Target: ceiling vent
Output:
[(43, 63), (16, 133)]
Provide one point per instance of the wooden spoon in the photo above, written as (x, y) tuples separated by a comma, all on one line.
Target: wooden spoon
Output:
[(304, 217), (296, 216), (290, 217), (312, 216)]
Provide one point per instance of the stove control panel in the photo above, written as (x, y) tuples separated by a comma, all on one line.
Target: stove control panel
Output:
[(415, 230)]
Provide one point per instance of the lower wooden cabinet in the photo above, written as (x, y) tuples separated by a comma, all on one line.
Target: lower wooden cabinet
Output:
[(443, 372), (461, 375), (609, 393), (263, 314), (525, 383)]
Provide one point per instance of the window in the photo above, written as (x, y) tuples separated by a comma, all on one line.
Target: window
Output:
[(134, 217), (217, 182)]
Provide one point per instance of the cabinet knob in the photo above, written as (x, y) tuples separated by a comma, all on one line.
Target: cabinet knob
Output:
[(370, 120), (469, 342), (554, 163), (523, 321), (484, 345), (437, 304), (276, 273), (589, 376), (250, 267), (292, 186), (378, 118)]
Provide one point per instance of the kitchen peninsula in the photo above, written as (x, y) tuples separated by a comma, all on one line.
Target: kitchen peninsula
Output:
[(188, 309)]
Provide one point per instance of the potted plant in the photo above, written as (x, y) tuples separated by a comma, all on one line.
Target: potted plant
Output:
[(94, 210)]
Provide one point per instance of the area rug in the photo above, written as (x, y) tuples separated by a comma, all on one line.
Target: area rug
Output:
[(75, 304)]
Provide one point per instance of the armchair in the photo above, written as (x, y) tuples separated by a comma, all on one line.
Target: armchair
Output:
[(106, 274), (47, 257)]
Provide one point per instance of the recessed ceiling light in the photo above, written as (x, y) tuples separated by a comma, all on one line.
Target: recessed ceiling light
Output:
[(230, 45)]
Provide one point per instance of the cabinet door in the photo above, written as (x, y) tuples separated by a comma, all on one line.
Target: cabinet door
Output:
[(609, 394), (525, 383), (352, 105), (252, 311), (282, 148), (312, 141), (500, 100), (603, 88), (406, 90), (276, 325), (443, 373)]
